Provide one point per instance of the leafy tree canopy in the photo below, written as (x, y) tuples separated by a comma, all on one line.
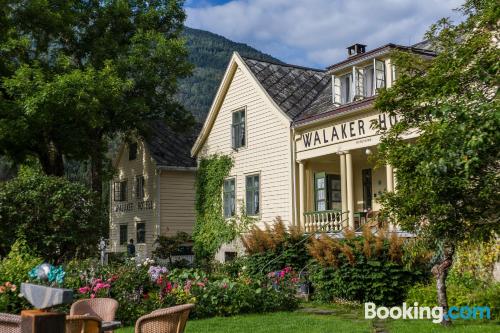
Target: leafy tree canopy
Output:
[(74, 73), (448, 179)]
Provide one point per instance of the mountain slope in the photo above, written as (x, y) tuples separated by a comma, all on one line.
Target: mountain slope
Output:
[(210, 53)]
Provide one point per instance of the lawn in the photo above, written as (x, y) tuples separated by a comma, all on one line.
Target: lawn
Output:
[(341, 319)]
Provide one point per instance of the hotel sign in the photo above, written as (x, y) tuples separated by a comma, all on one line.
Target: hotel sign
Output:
[(353, 129)]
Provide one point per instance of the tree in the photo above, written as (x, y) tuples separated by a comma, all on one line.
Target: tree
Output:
[(169, 245), (75, 73), (53, 215), (448, 179)]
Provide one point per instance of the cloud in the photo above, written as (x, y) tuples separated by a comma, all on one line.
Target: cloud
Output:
[(317, 32)]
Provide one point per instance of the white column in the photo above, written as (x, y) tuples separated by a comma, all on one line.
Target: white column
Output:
[(350, 188), (389, 177), (343, 187), (301, 193)]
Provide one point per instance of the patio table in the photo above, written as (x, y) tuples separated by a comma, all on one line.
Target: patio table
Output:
[(110, 325)]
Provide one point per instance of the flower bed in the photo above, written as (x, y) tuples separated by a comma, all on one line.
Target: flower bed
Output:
[(144, 287)]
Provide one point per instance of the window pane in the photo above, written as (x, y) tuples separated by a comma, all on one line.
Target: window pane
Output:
[(321, 205), (368, 81), (123, 234), (320, 183), (141, 232), (256, 202)]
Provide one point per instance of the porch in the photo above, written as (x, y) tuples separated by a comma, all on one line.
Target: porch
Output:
[(340, 190)]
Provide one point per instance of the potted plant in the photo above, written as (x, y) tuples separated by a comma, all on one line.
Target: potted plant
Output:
[(46, 291)]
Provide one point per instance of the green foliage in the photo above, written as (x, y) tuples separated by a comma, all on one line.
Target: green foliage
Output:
[(363, 269), (14, 269), (54, 216), (139, 292), (448, 178), (74, 74), (169, 245), (210, 54), (274, 247), (459, 295), (211, 229)]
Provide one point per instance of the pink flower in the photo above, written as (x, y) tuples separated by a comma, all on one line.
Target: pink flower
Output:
[(13, 287), (200, 284), (224, 285), (92, 296), (84, 290)]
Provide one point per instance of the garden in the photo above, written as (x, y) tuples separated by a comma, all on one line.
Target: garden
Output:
[(260, 290)]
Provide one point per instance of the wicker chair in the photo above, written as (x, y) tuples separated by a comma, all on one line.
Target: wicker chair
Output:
[(102, 308), (83, 324), (169, 320), (10, 323)]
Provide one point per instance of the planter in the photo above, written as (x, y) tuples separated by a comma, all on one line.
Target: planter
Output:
[(43, 297)]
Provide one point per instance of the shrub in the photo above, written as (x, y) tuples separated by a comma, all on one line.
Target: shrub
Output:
[(55, 216), (143, 287), (363, 269), (458, 295), (13, 270), (274, 247)]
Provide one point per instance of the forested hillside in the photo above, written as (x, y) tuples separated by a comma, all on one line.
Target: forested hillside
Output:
[(210, 53)]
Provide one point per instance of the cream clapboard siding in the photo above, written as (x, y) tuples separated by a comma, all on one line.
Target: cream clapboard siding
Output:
[(142, 165), (177, 195), (267, 150)]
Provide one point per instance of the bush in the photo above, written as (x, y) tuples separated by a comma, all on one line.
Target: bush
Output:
[(55, 217), (143, 287), (13, 270), (364, 269), (274, 247)]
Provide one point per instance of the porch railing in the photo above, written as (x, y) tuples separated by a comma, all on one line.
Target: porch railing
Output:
[(325, 220)]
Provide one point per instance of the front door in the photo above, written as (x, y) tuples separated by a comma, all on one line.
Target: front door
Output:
[(367, 189)]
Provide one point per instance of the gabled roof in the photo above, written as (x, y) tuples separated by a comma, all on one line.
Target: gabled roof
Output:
[(291, 87), (170, 148)]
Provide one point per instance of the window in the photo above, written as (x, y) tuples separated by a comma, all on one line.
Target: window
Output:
[(141, 232), (327, 191), (139, 187), (379, 73), (335, 194), (345, 88), (238, 129), (320, 192), (229, 197), (132, 151), (252, 195), (120, 191), (360, 83), (368, 81), (123, 234)]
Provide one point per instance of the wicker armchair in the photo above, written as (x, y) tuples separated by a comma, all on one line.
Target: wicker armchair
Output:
[(83, 324), (169, 320), (102, 308), (10, 323)]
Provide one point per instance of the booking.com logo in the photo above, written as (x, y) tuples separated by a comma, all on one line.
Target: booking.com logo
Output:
[(425, 312)]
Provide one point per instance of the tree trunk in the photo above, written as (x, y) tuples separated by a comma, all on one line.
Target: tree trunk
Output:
[(440, 272), (51, 160)]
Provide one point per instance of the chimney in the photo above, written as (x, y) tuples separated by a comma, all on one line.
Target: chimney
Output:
[(356, 49)]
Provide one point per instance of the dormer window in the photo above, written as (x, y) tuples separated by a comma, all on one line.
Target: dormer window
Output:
[(361, 82)]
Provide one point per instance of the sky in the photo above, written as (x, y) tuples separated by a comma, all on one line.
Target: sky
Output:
[(316, 33)]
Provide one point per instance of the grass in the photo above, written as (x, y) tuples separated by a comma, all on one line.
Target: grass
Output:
[(342, 319)]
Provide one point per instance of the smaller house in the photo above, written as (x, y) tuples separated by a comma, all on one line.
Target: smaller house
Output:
[(153, 191)]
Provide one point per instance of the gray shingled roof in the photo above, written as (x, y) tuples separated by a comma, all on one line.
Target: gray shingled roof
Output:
[(170, 148), (292, 88)]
